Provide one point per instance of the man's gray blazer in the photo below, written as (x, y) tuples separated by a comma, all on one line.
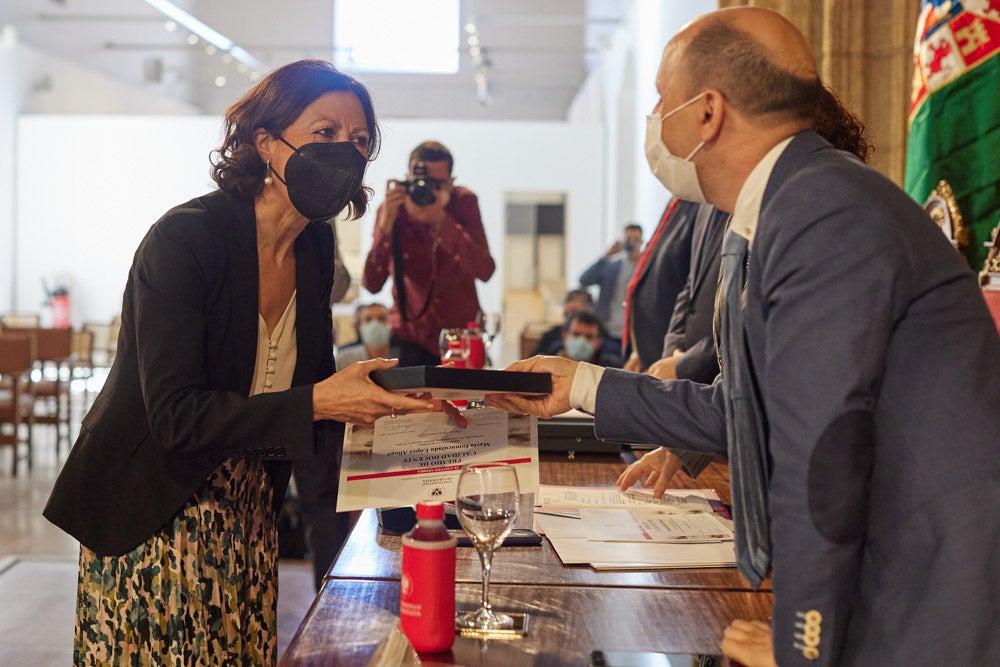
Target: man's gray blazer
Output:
[(878, 368), (690, 327)]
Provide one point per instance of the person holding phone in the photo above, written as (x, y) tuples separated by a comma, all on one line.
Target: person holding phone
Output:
[(612, 273)]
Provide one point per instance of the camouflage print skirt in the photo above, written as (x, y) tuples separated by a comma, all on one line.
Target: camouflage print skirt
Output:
[(202, 591)]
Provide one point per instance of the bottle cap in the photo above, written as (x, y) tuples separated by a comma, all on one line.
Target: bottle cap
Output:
[(431, 509)]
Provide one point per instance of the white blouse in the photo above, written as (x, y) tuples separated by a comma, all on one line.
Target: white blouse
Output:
[(276, 354)]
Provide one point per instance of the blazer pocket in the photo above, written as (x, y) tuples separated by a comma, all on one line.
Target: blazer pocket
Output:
[(95, 412), (119, 421)]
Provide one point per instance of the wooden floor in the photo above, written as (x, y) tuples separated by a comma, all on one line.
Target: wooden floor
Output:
[(37, 566)]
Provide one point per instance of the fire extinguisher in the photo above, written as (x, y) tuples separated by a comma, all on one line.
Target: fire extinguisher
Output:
[(59, 298)]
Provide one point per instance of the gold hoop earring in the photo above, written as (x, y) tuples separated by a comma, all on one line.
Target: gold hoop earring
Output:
[(267, 170)]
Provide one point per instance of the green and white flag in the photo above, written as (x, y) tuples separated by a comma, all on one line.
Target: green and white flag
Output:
[(955, 112)]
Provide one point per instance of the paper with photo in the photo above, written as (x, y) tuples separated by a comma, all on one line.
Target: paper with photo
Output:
[(569, 539), (658, 524), (404, 460), (611, 496)]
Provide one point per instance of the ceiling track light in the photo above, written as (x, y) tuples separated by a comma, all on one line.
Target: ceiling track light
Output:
[(480, 64), (201, 31)]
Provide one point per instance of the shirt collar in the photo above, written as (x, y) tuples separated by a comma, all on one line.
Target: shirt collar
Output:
[(747, 209)]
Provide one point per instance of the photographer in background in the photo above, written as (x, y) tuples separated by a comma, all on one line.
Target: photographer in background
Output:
[(429, 236)]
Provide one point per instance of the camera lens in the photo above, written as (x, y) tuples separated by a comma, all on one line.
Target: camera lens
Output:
[(421, 192)]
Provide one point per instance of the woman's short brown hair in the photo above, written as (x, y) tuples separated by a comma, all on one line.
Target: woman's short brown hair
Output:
[(274, 104)]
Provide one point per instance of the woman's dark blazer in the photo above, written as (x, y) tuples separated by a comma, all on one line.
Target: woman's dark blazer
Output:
[(176, 403)]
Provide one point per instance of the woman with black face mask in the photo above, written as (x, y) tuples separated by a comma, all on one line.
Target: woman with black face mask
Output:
[(224, 376)]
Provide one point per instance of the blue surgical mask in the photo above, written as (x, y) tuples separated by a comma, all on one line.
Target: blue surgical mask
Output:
[(375, 333), (579, 348)]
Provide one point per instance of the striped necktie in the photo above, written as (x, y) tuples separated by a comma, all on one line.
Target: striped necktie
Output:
[(748, 464)]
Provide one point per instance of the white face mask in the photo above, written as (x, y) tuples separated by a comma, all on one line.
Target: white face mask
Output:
[(677, 175)]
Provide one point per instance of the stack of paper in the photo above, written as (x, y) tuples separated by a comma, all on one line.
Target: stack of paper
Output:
[(613, 530)]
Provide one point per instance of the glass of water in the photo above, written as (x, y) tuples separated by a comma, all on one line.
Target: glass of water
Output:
[(487, 500)]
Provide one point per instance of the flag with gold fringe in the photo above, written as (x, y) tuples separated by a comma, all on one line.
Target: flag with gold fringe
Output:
[(955, 112)]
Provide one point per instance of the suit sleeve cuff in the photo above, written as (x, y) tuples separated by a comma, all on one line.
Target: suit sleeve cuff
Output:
[(583, 391)]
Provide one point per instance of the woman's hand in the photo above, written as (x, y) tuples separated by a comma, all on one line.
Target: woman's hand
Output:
[(658, 466), (555, 403), (350, 396), (749, 643)]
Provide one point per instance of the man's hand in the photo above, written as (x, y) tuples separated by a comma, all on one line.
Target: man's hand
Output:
[(615, 248), (432, 214), (395, 195), (658, 466), (634, 363), (555, 403), (749, 643), (666, 368)]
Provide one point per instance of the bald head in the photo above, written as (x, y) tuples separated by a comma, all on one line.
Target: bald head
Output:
[(753, 56)]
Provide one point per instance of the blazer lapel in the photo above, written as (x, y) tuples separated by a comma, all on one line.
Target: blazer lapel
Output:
[(709, 246), (244, 287), (308, 319)]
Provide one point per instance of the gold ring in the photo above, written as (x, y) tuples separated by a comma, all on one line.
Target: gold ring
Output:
[(393, 415)]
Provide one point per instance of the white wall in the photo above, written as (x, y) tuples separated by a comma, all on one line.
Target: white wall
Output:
[(89, 187), (33, 81), (618, 94), (71, 186)]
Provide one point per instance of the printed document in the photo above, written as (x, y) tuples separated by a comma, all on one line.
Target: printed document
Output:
[(612, 530), (404, 460)]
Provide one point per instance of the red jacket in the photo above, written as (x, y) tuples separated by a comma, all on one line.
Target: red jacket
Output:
[(440, 271)]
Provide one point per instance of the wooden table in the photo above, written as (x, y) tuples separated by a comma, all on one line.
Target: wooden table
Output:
[(373, 554), (351, 616), (573, 609)]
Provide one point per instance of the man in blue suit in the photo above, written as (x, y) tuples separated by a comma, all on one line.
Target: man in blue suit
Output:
[(611, 273), (860, 395)]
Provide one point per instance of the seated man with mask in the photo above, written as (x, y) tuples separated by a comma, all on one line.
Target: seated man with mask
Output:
[(373, 329), (576, 300), (582, 340)]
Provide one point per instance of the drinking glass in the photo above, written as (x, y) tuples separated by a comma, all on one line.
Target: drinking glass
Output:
[(487, 500), (454, 346), (491, 326)]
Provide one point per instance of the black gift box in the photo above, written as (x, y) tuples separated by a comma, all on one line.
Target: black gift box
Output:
[(461, 383)]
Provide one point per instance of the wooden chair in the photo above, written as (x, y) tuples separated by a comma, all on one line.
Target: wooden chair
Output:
[(992, 297), (105, 340), (116, 325), (942, 206), (83, 362), (17, 357), (51, 392), (531, 334), (20, 320)]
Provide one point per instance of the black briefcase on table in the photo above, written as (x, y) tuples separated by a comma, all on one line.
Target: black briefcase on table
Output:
[(572, 432)]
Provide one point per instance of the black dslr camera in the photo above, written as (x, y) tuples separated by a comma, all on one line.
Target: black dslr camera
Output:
[(421, 187)]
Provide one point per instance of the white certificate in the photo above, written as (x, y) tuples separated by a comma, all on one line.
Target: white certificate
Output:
[(409, 458)]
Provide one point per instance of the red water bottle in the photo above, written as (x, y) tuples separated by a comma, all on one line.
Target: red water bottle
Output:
[(477, 351), (427, 587)]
